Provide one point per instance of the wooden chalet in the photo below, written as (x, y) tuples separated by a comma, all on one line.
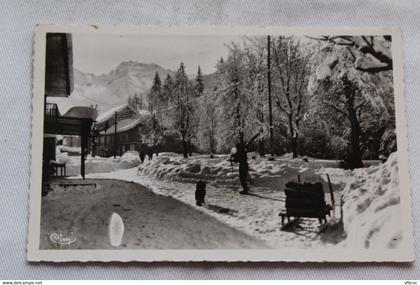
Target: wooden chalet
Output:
[(119, 130)]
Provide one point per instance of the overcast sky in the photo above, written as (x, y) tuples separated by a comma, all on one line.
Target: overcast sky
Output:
[(101, 53)]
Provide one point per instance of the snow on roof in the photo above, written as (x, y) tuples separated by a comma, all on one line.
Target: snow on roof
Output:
[(64, 104), (108, 114), (122, 126)]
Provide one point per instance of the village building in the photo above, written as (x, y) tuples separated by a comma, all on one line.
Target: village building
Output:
[(120, 129)]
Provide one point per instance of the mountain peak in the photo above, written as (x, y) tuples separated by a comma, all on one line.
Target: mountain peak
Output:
[(135, 66), (113, 89)]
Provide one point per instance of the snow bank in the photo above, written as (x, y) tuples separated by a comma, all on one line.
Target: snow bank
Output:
[(219, 171), (371, 210), (98, 164), (262, 172)]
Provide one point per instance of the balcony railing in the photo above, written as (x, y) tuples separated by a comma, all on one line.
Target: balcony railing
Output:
[(51, 110)]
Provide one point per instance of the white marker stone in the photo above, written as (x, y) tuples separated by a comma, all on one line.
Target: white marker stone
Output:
[(115, 229)]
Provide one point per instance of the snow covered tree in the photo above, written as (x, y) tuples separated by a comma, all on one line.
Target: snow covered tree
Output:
[(183, 109), (199, 84), (358, 105), (255, 49), (235, 97), (135, 102), (208, 122), (290, 73), (343, 97), (167, 89), (164, 106), (154, 101), (374, 52), (154, 96)]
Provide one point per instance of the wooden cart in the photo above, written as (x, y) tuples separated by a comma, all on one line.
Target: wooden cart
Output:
[(304, 200)]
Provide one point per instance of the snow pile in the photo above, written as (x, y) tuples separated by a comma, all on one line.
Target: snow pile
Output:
[(371, 210), (262, 173), (69, 149), (130, 158), (98, 164)]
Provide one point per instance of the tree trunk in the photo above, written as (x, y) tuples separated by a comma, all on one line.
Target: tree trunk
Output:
[(190, 148), (212, 145), (294, 146), (355, 157), (185, 148), (241, 138), (212, 142), (293, 138), (261, 148)]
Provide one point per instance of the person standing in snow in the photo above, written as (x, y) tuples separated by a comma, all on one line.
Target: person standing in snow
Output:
[(142, 154), (239, 155)]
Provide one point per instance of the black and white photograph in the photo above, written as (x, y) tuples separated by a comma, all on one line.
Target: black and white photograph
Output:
[(218, 144)]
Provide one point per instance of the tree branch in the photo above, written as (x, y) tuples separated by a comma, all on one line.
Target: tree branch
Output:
[(336, 109)]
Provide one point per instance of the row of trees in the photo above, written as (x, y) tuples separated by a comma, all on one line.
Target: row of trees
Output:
[(328, 101), (173, 107)]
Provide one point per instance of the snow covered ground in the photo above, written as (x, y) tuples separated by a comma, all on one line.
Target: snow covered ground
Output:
[(98, 164), (367, 200), (255, 214), (218, 170), (81, 211)]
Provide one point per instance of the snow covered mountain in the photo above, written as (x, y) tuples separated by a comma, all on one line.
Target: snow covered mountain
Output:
[(113, 89)]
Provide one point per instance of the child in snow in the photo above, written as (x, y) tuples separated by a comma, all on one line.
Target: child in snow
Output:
[(200, 192)]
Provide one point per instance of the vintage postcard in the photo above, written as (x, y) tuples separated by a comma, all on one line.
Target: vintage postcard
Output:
[(218, 144)]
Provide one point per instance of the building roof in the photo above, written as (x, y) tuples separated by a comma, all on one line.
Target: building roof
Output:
[(64, 104), (123, 125), (110, 113)]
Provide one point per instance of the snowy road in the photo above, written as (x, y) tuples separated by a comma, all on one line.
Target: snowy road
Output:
[(151, 221), (160, 212), (256, 214)]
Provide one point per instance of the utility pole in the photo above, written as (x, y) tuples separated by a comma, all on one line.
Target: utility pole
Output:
[(115, 135), (270, 108)]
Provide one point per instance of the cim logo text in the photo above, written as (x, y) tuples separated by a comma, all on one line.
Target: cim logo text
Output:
[(61, 239)]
